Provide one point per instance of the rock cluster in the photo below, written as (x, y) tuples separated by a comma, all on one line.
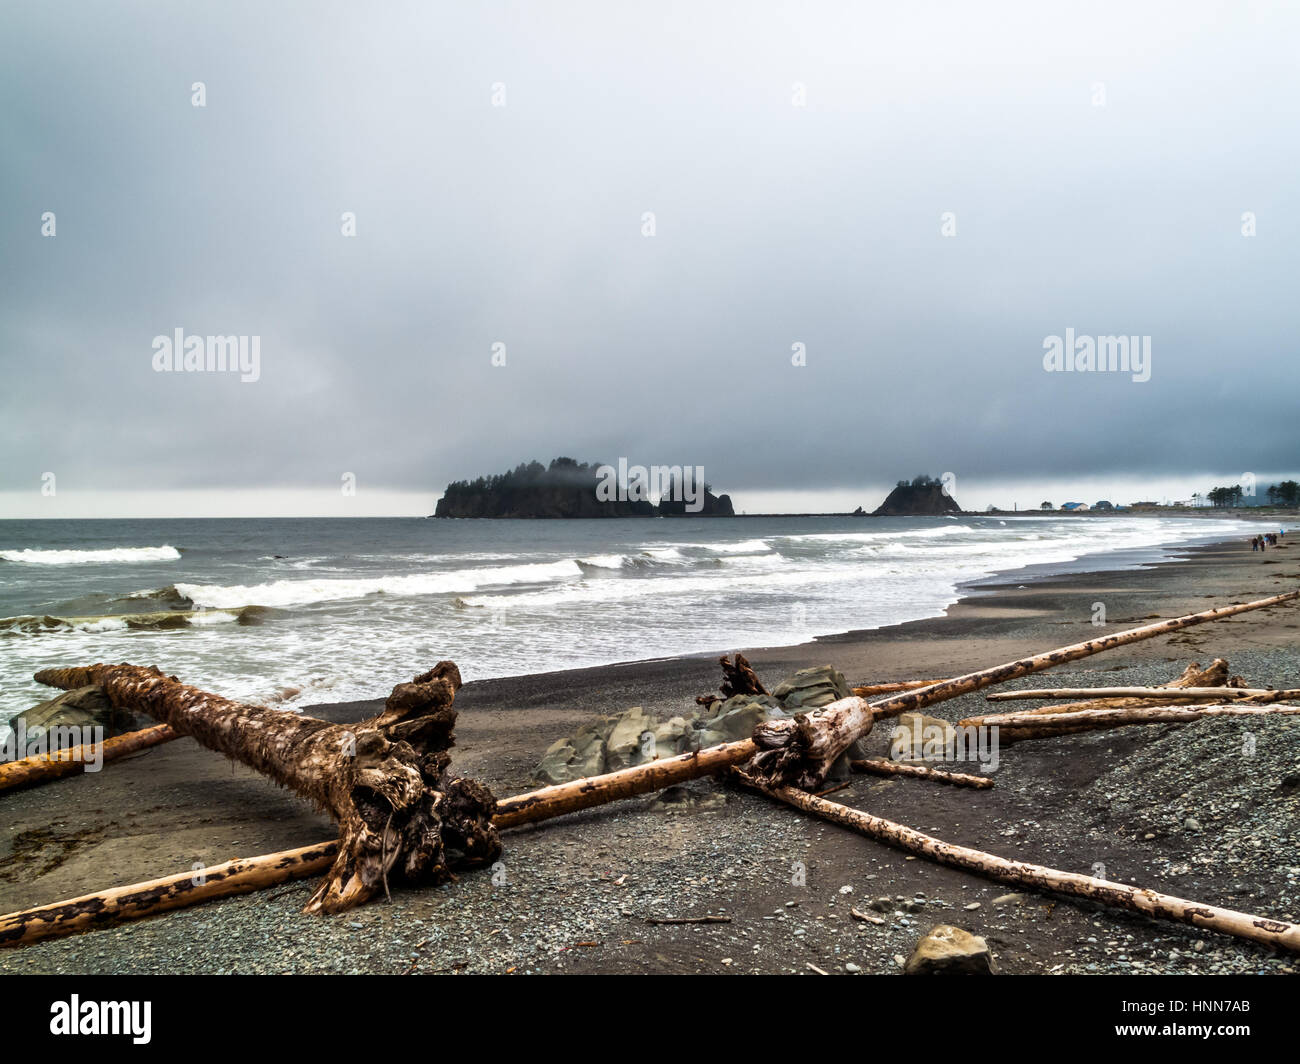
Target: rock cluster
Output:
[(622, 740)]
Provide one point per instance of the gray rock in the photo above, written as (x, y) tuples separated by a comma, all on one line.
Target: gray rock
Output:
[(624, 745), (812, 688), (732, 720), (581, 755), (84, 707), (918, 737)]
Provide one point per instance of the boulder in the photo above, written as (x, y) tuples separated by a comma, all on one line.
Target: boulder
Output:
[(732, 720), (669, 736), (608, 744), (812, 688), (948, 950), (84, 707), (581, 755), (916, 737), (624, 745)]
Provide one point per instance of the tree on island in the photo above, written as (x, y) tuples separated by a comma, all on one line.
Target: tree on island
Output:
[(568, 488)]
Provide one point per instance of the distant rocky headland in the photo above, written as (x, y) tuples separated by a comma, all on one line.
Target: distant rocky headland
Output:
[(921, 496), (568, 488)]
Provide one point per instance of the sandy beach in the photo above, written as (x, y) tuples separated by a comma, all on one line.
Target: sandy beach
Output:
[(1179, 808)]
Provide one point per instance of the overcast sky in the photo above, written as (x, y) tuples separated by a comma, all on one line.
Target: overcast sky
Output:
[(798, 160)]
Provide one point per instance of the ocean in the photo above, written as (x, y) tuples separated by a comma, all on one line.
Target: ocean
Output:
[(295, 611)]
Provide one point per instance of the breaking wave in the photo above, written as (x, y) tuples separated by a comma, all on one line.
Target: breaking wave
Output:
[(164, 553), (306, 592)]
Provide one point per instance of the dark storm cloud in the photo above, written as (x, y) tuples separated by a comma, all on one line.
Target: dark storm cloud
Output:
[(521, 224)]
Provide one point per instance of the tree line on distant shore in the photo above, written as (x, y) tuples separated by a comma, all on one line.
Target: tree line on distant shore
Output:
[(1287, 493)]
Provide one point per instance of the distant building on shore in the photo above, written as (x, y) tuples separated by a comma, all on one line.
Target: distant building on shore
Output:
[(1074, 507)]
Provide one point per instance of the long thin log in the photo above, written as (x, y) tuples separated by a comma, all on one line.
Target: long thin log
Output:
[(1013, 728), (563, 798), (162, 895), (871, 690), (1216, 676), (1148, 694), (1276, 933), (880, 767), (801, 751), (41, 768)]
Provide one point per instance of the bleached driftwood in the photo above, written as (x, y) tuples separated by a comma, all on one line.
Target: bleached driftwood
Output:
[(881, 767), (40, 768), (1276, 933), (1015, 728), (162, 895), (1150, 694), (801, 751)]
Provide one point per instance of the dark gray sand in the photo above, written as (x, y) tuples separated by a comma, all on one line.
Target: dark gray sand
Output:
[(1184, 809)]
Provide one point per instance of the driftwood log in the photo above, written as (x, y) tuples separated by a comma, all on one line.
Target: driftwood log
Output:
[(879, 767), (163, 895), (1013, 727), (1216, 675), (871, 690), (593, 791), (385, 780), (59, 763), (585, 793), (1276, 933), (1150, 694), (801, 751)]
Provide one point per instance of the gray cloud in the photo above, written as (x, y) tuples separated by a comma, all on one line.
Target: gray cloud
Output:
[(775, 224)]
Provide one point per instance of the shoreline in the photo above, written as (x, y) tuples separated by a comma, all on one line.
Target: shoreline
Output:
[(1113, 798), (966, 592)]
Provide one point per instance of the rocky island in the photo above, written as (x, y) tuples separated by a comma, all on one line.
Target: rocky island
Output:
[(568, 488), (922, 496)]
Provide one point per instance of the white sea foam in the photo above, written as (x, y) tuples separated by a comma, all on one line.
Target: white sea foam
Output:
[(749, 546), (306, 592), (664, 554), (604, 561), (936, 532), (83, 557)]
